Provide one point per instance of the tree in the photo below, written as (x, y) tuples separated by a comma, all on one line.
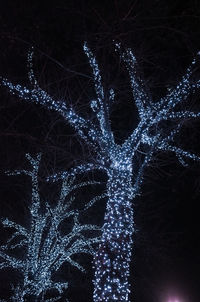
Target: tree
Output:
[(159, 123), (46, 247)]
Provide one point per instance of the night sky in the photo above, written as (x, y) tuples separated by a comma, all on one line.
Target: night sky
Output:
[(165, 36)]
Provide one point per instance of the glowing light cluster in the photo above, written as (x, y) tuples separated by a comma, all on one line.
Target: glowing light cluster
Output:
[(46, 247), (113, 256), (114, 253)]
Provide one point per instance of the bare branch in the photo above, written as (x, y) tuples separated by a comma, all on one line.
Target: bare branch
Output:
[(46, 249)]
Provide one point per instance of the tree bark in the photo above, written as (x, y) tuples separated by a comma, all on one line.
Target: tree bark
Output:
[(113, 257)]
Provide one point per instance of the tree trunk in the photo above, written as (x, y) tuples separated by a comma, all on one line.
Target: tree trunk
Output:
[(113, 257)]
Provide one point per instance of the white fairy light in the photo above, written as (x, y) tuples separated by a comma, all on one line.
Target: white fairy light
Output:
[(113, 257), (46, 248)]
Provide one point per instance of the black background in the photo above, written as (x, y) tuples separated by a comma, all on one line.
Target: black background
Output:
[(165, 36)]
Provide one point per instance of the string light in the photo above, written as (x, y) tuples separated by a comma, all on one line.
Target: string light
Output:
[(46, 248), (112, 259)]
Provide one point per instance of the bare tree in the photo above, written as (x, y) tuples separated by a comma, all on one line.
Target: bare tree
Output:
[(47, 248), (152, 134)]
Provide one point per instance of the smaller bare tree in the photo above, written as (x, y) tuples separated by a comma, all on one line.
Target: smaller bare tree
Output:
[(46, 247)]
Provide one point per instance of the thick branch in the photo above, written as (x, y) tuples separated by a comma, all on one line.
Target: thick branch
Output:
[(142, 99)]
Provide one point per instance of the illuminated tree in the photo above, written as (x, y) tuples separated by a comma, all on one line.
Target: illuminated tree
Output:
[(46, 246), (158, 124)]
